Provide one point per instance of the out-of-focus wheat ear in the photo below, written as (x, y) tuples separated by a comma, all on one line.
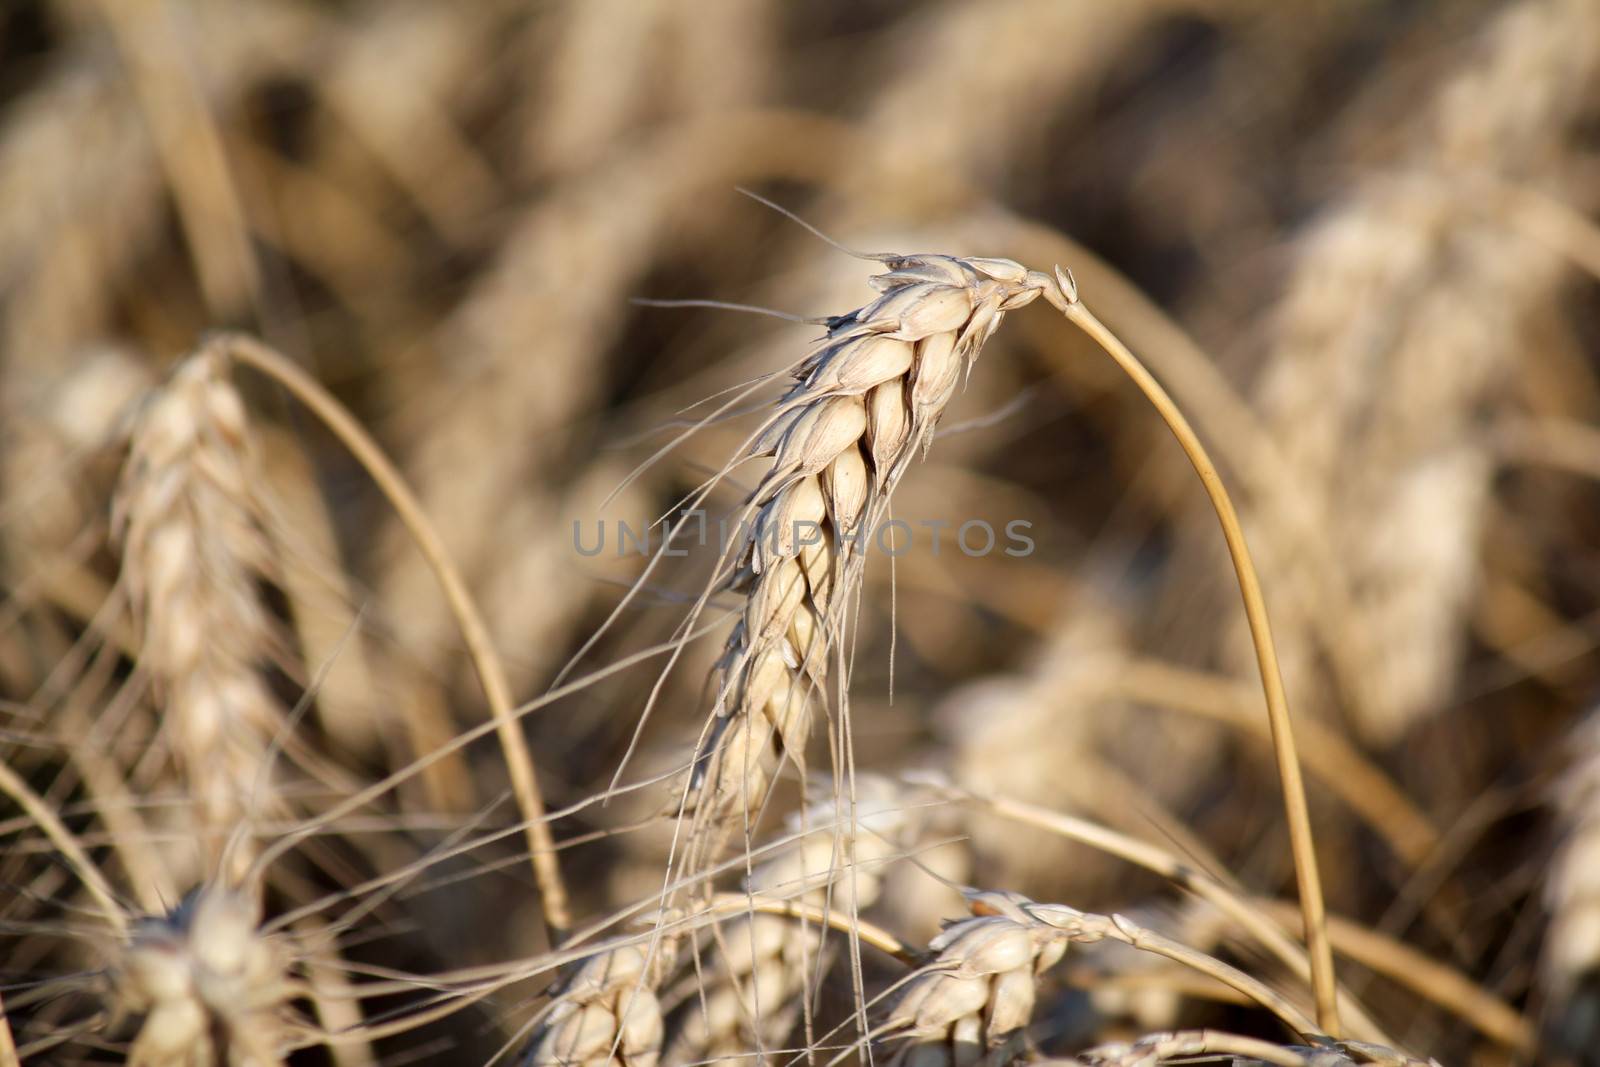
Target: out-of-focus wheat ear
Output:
[(1064, 297), (1410, 307), (207, 986), (932, 115), (407, 122), (598, 88), (189, 524), (519, 761)]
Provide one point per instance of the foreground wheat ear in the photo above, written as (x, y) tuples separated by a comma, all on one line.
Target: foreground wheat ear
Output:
[(865, 402)]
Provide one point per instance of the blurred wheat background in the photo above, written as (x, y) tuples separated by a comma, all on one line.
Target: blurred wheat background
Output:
[(1354, 238)]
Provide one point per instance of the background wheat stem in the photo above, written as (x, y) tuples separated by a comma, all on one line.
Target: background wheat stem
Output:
[(491, 673), (1443, 985), (1308, 877)]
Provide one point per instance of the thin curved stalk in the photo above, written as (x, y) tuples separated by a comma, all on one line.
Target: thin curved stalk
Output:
[(491, 673), (838, 919), (1308, 878)]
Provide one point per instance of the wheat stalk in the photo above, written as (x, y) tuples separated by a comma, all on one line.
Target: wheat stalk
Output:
[(519, 761)]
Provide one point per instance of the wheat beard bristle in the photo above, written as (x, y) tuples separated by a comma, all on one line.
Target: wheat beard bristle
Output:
[(865, 402), (190, 530)]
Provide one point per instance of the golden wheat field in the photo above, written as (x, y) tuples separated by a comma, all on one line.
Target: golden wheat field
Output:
[(929, 533)]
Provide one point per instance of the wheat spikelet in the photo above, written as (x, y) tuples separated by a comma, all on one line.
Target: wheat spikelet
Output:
[(605, 1014), (189, 525), (211, 988), (971, 1003), (1176, 1045), (865, 402)]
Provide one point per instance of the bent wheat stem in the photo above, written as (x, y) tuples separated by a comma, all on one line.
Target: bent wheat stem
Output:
[(1307, 876), (519, 761)]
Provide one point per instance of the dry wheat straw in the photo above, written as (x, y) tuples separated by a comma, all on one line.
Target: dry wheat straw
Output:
[(189, 523), (1307, 875)]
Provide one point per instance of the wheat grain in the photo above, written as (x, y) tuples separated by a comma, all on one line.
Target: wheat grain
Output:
[(971, 1003)]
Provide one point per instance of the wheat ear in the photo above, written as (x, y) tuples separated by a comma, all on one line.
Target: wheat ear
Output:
[(190, 528), (865, 402), (210, 986), (604, 1013)]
